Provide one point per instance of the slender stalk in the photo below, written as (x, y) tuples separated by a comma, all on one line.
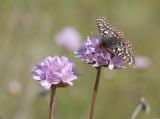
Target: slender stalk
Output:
[(52, 101), (142, 106), (95, 93), (136, 112)]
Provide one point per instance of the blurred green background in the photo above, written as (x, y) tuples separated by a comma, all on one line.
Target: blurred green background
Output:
[(27, 29)]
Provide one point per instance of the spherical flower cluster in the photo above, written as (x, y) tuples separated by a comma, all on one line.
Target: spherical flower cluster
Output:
[(68, 38), (92, 53), (59, 71), (142, 62)]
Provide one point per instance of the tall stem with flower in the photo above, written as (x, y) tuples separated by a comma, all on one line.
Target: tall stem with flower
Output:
[(54, 72), (91, 52)]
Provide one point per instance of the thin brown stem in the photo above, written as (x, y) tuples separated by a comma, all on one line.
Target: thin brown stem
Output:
[(95, 93), (52, 101)]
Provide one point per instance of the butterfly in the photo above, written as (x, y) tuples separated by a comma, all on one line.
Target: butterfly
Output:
[(114, 41)]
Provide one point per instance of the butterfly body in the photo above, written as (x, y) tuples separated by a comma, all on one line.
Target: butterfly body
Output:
[(114, 41)]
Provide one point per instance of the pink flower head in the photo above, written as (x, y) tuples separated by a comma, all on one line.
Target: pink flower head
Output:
[(91, 53), (142, 62), (68, 38), (59, 71)]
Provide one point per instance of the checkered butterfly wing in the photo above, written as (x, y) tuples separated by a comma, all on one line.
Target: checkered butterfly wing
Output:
[(113, 40)]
